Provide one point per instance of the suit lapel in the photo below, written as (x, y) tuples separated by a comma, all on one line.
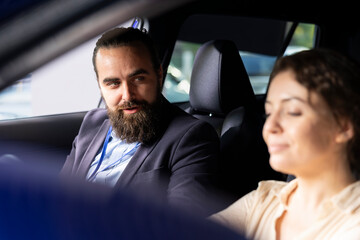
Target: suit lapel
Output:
[(93, 148), (134, 164)]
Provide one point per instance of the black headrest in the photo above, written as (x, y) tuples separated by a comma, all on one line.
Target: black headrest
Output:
[(219, 81)]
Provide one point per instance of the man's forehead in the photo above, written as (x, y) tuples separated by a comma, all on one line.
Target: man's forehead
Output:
[(128, 50), (134, 45)]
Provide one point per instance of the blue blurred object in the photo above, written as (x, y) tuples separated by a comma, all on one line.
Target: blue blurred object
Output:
[(36, 205)]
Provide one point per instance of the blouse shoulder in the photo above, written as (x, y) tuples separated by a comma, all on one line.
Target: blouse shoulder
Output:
[(270, 187)]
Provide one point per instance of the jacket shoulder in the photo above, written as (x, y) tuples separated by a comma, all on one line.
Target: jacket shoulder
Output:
[(93, 120), (96, 115)]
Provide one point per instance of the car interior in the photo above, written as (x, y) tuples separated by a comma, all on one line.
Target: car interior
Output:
[(233, 47)]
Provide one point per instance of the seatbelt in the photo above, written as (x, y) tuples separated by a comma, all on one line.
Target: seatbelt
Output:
[(288, 38)]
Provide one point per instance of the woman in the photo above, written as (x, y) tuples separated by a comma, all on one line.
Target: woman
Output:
[(312, 131)]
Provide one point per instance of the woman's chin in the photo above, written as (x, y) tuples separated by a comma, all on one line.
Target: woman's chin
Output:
[(279, 164)]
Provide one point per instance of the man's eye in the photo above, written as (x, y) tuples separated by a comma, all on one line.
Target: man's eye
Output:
[(112, 84), (139, 78)]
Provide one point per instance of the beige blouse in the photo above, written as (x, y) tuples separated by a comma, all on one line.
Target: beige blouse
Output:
[(256, 213)]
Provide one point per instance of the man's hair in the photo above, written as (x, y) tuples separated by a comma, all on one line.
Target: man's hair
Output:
[(336, 78), (127, 37)]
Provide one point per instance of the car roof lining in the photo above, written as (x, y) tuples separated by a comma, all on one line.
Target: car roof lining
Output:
[(25, 50), (250, 32), (21, 61)]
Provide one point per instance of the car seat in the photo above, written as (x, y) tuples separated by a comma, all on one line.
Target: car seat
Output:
[(218, 76), (221, 94), (244, 155)]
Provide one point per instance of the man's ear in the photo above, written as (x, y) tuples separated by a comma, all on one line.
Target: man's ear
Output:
[(346, 132)]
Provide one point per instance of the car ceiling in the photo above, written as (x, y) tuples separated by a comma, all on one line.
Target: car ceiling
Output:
[(70, 23), (48, 30)]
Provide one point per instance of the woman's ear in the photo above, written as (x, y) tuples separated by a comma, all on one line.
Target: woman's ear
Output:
[(346, 132)]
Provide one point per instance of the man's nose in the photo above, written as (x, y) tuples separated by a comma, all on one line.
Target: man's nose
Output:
[(127, 92)]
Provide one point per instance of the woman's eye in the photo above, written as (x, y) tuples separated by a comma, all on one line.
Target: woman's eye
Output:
[(266, 115), (294, 114)]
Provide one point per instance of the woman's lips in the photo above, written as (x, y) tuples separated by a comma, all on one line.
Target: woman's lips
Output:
[(276, 148)]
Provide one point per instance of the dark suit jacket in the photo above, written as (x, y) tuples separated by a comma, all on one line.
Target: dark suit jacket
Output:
[(179, 166)]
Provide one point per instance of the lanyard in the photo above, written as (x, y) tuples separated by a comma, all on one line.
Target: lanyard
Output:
[(103, 152)]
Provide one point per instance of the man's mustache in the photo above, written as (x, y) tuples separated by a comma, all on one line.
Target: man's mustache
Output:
[(130, 104)]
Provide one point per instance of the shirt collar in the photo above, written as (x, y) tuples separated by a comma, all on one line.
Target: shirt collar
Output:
[(347, 200), (285, 193), (115, 139), (113, 135)]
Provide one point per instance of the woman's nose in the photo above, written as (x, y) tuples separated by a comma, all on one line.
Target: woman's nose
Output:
[(272, 124)]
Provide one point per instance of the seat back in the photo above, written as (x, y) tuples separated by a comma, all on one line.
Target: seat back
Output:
[(213, 91), (244, 155), (231, 107)]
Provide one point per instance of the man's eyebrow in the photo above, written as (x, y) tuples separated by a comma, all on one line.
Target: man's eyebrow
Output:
[(138, 72), (134, 73), (106, 80)]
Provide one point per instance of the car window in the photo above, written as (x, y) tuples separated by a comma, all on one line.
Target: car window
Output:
[(258, 66), (74, 86), (64, 85)]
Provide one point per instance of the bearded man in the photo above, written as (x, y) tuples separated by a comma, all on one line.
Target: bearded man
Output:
[(141, 141)]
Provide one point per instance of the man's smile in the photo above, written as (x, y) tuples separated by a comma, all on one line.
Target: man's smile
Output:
[(131, 110)]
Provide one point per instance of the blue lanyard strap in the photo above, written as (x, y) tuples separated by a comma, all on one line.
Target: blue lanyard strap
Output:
[(102, 153)]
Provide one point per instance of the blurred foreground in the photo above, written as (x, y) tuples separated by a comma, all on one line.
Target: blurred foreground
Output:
[(35, 204)]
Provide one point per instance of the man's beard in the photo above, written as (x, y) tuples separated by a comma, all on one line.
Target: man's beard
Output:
[(141, 126)]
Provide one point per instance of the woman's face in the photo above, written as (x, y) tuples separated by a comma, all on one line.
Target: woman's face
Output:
[(300, 131)]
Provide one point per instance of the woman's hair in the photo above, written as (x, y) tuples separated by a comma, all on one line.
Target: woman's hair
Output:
[(337, 79)]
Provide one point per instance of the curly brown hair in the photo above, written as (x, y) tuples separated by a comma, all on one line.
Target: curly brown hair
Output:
[(336, 78)]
